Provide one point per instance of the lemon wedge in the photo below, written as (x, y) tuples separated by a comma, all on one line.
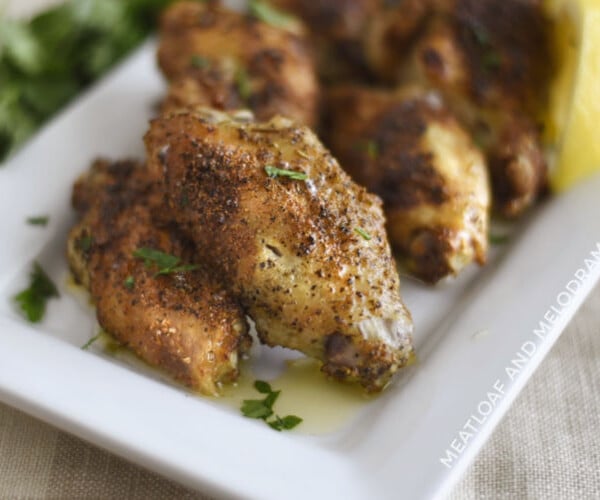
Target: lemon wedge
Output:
[(573, 119)]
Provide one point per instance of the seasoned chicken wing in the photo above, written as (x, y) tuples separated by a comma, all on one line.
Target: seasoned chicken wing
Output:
[(184, 321), (302, 245), (491, 60), (409, 149), (226, 60)]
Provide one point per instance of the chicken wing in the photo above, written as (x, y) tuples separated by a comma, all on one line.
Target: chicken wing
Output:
[(302, 245), (491, 60), (223, 59), (183, 322), (408, 148)]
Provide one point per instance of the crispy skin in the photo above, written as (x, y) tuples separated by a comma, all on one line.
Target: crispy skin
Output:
[(184, 323), (491, 60), (288, 248), (223, 59), (407, 147)]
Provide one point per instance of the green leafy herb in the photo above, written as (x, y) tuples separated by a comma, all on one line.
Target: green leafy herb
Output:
[(199, 62), (41, 220), (264, 12), (242, 83), (32, 300), (84, 243), (372, 150), (129, 282), (499, 239), (278, 172), (360, 231), (370, 147), (91, 341), (263, 408), (49, 59), (167, 264)]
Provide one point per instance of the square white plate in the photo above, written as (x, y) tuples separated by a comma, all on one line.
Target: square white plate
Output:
[(479, 338)]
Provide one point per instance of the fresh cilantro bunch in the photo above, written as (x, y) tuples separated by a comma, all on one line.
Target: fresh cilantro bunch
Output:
[(46, 61)]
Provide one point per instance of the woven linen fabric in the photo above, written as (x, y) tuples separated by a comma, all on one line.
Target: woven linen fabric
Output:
[(547, 447)]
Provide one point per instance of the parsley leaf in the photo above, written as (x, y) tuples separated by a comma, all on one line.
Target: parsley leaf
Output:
[(41, 220), (263, 408), (360, 231), (499, 239), (46, 61), (199, 62), (264, 12), (167, 264), (278, 172), (91, 341), (129, 282), (32, 300), (242, 83)]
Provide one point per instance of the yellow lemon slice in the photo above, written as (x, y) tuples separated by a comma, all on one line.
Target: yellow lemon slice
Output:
[(573, 121)]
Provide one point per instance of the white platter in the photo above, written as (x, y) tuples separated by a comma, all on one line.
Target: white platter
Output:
[(479, 339)]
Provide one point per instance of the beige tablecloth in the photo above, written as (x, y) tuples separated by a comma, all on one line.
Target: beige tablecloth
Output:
[(547, 447)]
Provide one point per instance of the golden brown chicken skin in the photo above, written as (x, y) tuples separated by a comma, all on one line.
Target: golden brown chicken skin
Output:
[(227, 60), (308, 257), (408, 148), (185, 322), (491, 60)]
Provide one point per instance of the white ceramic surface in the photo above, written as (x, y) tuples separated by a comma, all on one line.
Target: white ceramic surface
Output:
[(479, 339)]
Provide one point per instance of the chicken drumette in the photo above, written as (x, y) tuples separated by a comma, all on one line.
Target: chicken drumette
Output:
[(182, 321), (409, 149), (491, 60), (303, 246), (226, 60)]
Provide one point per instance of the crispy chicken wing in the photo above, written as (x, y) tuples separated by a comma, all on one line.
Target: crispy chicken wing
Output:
[(491, 60), (308, 257), (184, 322), (409, 149), (226, 60)]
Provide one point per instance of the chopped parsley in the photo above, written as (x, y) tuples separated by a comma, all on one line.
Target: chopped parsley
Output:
[(167, 264), (129, 282), (242, 83), (279, 172), (263, 408), (268, 14), (199, 62), (370, 147), (499, 239), (360, 231), (32, 300), (41, 220), (90, 37), (85, 243), (92, 340)]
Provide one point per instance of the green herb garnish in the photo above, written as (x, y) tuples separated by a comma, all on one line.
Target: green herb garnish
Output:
[(279, 172), (91, 341), (32, 300), (372, 150), (264, 12), (242, 83), (263, 408), (199, 62), (167, 264), (360, 231), (499, 239), (129, 282), (49, 59), (84, 243), (41, 220)]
